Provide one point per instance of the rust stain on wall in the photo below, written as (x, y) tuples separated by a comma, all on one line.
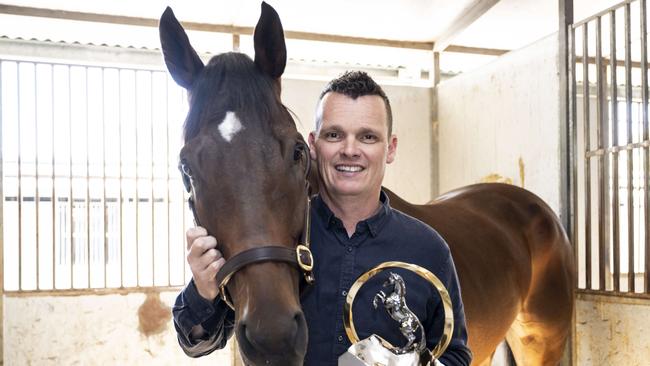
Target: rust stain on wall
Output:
[(496, 178), (153, 315)]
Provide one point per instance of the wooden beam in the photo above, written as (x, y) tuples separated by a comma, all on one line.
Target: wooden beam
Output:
[(476, 50), (204, 27), (461, 22)]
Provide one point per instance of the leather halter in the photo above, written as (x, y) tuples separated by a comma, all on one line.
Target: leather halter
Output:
[(300, 256)]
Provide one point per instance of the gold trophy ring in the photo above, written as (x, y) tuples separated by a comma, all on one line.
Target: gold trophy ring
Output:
[(448, 328)]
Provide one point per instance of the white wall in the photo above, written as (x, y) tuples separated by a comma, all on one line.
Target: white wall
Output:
[(92, 330), (508, 110), (612, 331)]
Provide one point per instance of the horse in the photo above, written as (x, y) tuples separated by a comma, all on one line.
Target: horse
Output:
[(247, 164), (515, 268)]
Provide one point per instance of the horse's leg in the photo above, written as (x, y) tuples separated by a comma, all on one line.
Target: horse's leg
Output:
[(539, 333)]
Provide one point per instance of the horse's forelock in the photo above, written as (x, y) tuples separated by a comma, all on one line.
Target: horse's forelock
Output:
[(232, 82)]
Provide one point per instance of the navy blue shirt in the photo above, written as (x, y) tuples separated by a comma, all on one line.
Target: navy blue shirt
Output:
[(389, 235)]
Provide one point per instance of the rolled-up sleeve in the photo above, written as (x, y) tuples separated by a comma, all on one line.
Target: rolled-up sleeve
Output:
[(216, 318)]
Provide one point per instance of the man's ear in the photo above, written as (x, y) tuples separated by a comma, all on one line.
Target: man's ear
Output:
[(312, 147), (270, 49), (392, 149), (182, 61)]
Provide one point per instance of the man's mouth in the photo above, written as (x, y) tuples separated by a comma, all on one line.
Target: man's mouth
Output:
[(349, 168)]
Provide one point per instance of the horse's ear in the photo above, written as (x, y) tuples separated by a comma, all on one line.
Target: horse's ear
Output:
[(270, 49), (182, 61)]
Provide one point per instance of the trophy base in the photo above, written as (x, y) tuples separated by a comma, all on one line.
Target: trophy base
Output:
[(371, 352)]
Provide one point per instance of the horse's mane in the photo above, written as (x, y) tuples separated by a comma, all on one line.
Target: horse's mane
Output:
[(232, 82)]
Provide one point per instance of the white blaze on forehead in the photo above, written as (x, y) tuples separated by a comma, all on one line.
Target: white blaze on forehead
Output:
[(230, 126)]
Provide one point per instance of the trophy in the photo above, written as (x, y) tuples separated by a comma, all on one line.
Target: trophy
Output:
[(375, 350)]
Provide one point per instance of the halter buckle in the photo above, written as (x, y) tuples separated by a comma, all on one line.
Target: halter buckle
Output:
[(304, 257)]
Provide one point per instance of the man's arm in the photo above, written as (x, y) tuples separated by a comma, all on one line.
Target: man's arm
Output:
[(202, 326), (202, 320), (457, 353)]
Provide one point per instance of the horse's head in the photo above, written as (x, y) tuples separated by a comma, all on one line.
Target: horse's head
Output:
[(247, 164)]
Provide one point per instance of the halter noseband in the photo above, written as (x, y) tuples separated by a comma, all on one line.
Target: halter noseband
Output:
[(300, 256)]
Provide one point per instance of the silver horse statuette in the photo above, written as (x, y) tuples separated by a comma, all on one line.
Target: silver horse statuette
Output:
[(395, 305)]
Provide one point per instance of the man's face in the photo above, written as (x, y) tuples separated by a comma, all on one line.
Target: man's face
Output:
[(352, 146)]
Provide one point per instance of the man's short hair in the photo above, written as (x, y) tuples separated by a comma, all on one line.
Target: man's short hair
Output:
[(355, 84)]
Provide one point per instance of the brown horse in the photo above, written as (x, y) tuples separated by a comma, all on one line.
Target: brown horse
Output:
[(246, 165), (512, 256), (515, 268)]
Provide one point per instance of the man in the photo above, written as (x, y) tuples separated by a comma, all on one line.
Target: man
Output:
[(353, 229)]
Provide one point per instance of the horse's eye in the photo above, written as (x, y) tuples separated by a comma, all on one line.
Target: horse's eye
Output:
[(186, 169), (298, 152)]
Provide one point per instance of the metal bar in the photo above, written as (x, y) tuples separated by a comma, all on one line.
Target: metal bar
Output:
[(592, 60), (121, 178), (169, 262), (565, 12), (71, 200), (616, 149), (618, 298), (568, 172), (87, 181), (601, 133), (92, 291), (19, 173), (573, 144), (137, 183), (53, 185), (104, 204), (630, 167), (37, 201), (2, 199), (153, 221), (600, 14), (183, 211), (585, 109), (614, 134), (646, 156)]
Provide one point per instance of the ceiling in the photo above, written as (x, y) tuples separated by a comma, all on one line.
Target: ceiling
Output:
[(510, 24)]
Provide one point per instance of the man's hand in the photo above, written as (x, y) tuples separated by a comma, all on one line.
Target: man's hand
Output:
[(204, 260)]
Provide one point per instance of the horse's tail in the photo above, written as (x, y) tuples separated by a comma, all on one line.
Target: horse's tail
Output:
[(540, 331)]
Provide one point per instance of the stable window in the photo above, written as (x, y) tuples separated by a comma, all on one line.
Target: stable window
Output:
[(612, 150), (91, 193)]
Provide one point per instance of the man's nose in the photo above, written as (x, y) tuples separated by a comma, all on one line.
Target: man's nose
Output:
[(351, 147)]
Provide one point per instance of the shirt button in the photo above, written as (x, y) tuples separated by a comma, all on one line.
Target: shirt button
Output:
[(344, 293), (340, 338), (349, 249)]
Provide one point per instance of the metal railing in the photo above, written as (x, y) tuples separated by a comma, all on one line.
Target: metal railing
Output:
[(609, 112), (91, 192)]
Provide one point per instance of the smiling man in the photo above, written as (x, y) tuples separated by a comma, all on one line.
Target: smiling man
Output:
[(353, 229)]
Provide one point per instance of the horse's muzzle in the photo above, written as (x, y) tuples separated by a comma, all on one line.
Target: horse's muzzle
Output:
[(276, 340)]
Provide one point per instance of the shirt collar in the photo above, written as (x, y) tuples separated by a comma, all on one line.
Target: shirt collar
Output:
[(373, 223)]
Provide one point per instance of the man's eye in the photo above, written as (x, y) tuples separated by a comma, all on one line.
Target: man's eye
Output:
[(369, 138), (332, 135)]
